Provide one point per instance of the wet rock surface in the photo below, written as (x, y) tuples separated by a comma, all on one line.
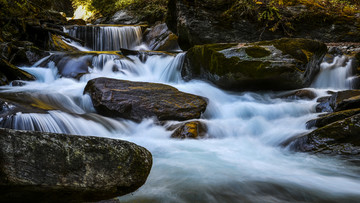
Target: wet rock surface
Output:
[(190, 130), (324, 120), (46, 167), (339, 101), (9, 72), (268, 65), (138, 100), (340, 137), (160, 38)]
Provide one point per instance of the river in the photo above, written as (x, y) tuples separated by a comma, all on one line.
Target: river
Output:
[(242, 158)]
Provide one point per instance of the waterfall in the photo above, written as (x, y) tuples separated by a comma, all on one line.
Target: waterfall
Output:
[(60, 122), (172, 71), (335, 75), (108, 38)]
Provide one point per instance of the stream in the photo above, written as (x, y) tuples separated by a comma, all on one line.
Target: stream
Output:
[(242, 158)]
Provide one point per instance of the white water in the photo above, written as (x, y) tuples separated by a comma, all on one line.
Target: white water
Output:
[(335, 75), (240, 161), (108, 38)]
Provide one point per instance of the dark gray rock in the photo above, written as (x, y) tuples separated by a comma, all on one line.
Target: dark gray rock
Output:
[(138, 100), (338, 138), (160, 38), (123, 17), (299, 94), (343, 100), (282, 64), (47, 167), (9, 72), (324, 120)]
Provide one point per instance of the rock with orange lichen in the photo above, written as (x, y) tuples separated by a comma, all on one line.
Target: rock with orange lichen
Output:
[(192, 129), (139, 100)]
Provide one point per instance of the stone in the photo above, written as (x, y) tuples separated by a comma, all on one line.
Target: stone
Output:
[(160, 38), (139, 100), (338, 138), (123, 17), (11, 72), (192, 130), (324, 120), (283, 64), (342, 100), (76, 22), (300, 94), (49, 167)]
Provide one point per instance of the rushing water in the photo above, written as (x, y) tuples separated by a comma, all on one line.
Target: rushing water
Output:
[(241, 160), (97, 37)]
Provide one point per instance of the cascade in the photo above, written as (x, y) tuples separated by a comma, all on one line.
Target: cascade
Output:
[(336, 74), (241, 161), (108, 38)]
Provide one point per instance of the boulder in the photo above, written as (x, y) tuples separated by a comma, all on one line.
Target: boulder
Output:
[(282, 64), (324, 120), (138, 100), (76, 22), (9, 72), (299, 94), (192, 130), (343, 100), (75, 64), (214, 21), (160, 38), (123, 17), (48, 167), (341, 137)]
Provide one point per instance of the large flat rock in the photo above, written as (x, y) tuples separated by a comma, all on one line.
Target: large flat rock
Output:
[(138, 100)]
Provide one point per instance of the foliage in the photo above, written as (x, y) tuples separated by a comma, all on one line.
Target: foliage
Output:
[(150, 10), (274, 15)]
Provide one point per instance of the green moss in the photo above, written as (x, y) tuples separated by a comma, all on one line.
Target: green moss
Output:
[(257, 52), (300, 49)]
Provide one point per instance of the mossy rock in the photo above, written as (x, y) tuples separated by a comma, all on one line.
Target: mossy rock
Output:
[(12, 72), (270, 65), (339, 101), (49, 167), (257, 52), (300, 49), (338, 138), (332, 117)]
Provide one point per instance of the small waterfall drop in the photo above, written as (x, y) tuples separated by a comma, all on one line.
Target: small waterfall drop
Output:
[(335, 75), (108, 38), (60, 122)]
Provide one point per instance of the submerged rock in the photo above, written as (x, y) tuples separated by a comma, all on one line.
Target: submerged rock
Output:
[(299, 94), (38, 167), (340, 137), (138, 100), (269, 65), (192, 129)]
